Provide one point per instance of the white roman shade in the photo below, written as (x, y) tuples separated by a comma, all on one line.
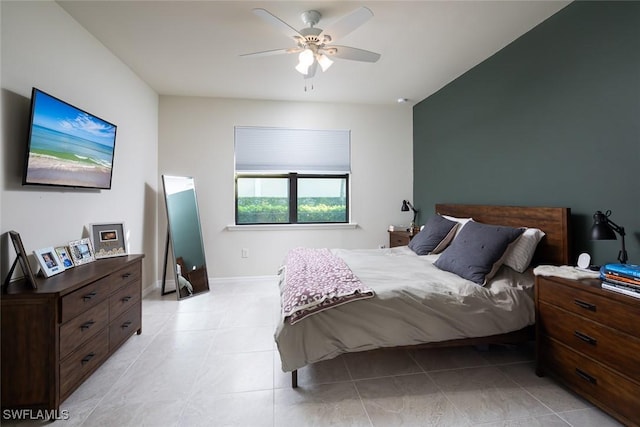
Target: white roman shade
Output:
[(281, 150)]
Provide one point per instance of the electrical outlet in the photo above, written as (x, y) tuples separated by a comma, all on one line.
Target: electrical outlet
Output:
[(245, 253), (381, 246)]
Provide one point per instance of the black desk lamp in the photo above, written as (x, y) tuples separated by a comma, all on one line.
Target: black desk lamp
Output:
[(603, 229), (405, 208)]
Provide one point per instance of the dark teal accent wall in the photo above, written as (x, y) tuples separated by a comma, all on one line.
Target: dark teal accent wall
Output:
[(553, 119)]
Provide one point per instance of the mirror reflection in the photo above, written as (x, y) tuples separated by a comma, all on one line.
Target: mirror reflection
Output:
[(185, 235)]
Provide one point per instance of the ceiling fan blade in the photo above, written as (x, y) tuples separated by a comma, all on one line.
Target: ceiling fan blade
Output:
[(348, 23), (274, 52), (278, 23), (352, 53)]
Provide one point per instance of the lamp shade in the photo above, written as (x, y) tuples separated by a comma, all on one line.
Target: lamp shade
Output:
[(601, 229), (405, 206), (305, 58), (324, 62)]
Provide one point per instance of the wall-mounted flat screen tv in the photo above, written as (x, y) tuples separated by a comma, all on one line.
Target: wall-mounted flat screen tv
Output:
[(68, 147)]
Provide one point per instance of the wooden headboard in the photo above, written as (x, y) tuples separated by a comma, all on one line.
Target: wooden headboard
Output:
[(554, 247)]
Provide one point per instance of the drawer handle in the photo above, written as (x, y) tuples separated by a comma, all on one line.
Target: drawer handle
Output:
[(585, 305), (586, 338), (126, 299), (126, 275), (87, 325), (89, 296), (87, 358), (582, 374), (126, 324)]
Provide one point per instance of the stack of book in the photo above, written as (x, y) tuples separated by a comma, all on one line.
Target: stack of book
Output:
[(623, 278)]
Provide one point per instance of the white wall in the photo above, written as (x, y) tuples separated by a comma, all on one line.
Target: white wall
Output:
[(43, 46), (196, 139)]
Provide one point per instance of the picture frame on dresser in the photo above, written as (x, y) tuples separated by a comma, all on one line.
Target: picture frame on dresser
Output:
[(65, 257), (109, 240), (81, 251), (49, 262), (22, 259)]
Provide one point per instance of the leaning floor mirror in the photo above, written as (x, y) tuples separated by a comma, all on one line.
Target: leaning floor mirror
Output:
[(184, 235)]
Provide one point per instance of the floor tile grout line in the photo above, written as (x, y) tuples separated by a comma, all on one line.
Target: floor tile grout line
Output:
[(273, 393), (364, 407), (124, 373), (412, 357), (446, 396), (530, 394)]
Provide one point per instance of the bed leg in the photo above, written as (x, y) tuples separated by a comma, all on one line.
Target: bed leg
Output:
[(294, 379)]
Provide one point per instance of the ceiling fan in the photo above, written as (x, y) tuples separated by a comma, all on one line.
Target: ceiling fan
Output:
[(314, 45)]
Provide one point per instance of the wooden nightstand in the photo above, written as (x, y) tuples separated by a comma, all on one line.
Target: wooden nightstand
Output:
[(589, 338), (400, 238)]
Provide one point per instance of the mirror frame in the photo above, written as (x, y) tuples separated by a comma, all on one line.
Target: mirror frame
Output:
[(200, 280)]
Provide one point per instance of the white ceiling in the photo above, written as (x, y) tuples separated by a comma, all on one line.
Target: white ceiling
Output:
[(192, 47)]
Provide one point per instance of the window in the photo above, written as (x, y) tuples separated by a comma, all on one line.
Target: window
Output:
[(291, 176), (262, 200)]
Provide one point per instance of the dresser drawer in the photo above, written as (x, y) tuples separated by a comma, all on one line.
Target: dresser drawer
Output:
[(124, 326), (399, 241), (591, 306), (123, 276), (398, 238), (83, 361), (123, 299), (84, 299), (613, 348), (81, 328), (589, 378)]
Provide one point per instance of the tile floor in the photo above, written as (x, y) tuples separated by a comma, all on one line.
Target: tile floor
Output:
[(211, 361)]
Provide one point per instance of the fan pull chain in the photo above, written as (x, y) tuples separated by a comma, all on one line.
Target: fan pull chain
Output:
[(305, 86)]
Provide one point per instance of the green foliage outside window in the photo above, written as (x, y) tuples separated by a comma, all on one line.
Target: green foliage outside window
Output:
[(275, 210), (263, 210)]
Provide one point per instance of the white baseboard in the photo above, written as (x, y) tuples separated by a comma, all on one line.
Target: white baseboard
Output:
[(171, 284), (241, 279)]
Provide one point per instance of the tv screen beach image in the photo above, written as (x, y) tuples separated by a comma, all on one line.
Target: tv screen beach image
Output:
[(68, 146)]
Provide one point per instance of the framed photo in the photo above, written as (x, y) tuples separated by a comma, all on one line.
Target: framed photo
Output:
[(108, 240), (81, 251), (22, 259), (64, 256), (49, 262)]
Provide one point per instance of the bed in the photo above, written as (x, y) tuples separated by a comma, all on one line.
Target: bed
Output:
[(413, 303)]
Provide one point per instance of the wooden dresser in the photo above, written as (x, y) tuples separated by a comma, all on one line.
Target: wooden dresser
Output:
[(56, 336), (589, 338)]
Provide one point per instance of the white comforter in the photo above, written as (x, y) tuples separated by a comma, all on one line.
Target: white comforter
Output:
[(415, 303)]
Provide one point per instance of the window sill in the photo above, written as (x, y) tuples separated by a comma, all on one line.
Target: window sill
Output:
[(271, 227)]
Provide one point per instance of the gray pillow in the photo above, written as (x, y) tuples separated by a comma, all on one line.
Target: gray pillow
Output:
[(434, 237), (476, 253)]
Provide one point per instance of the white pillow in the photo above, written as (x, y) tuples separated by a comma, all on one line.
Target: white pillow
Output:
[(519, 253), (461, 221)]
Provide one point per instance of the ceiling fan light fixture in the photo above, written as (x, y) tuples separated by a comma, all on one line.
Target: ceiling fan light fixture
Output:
[(305, 59), (302, 69), (324, 62), (312, 42)]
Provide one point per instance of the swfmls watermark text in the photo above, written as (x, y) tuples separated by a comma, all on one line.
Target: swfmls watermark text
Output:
[(35, 414)]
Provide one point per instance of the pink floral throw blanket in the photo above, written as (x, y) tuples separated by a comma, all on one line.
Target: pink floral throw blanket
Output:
[(316, 280)]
